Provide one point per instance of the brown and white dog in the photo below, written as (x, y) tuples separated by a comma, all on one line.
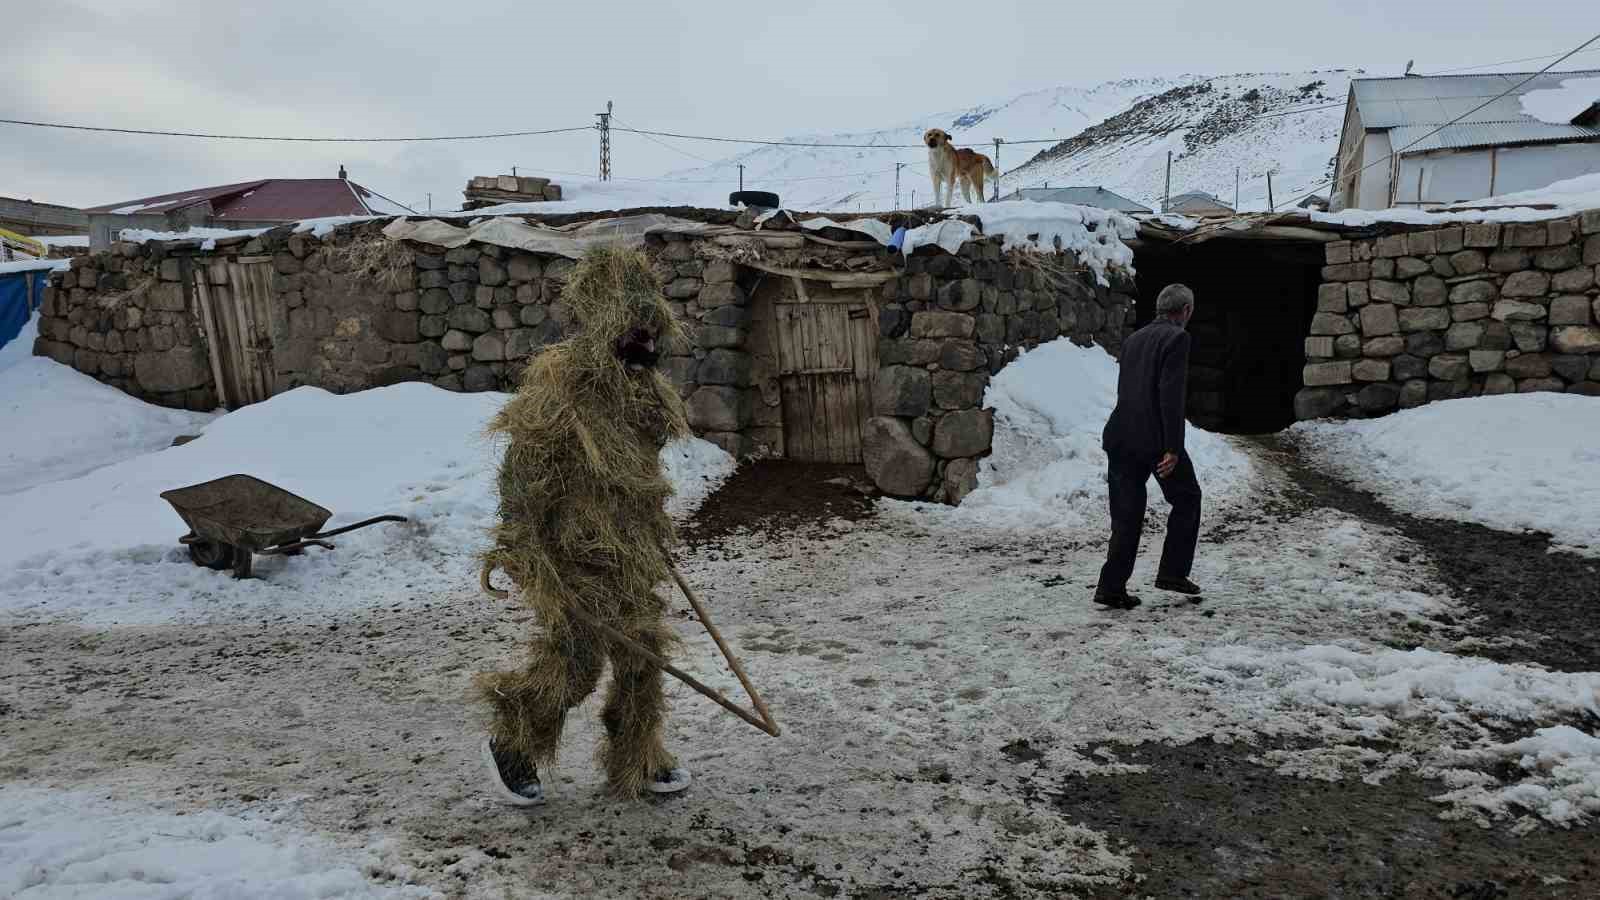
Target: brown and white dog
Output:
[(947, 165)]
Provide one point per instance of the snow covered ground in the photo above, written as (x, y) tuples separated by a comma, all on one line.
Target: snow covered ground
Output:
[(59, 844), (306, 734), (20, 348), (1513, 462), (48, 407), (102, 547)]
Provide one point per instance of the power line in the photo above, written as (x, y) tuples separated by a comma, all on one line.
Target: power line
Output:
[(1505, 62), (256, 137), (1502, 94), (674, 149), (1050, 140), (787, 180)]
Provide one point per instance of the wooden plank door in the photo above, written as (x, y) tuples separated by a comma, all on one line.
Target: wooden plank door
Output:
[(237, 316), (827, 360)]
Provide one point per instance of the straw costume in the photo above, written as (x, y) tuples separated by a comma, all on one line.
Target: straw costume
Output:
[(582, 526)]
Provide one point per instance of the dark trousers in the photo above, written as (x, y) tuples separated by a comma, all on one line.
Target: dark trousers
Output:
[(1126, 479)]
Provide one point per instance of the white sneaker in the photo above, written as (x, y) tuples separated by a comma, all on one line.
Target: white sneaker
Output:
[(511, 779), (670, 781)]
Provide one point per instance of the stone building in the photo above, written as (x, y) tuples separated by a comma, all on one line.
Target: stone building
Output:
[(1302, 319), (806, 339)]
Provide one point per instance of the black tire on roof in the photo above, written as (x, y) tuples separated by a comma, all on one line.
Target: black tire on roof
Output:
[(765, 199)]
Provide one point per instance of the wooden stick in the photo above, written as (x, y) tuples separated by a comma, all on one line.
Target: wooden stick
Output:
[(715, 695), (765, 723), (769, 725)]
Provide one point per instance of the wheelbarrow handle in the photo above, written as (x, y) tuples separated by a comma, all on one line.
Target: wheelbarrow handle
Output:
[(362, 524), (297, 545)]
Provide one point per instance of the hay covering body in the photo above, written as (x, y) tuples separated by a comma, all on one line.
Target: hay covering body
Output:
[(583, 522)]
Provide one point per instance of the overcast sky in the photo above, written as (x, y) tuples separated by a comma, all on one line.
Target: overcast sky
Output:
[(744, 69)]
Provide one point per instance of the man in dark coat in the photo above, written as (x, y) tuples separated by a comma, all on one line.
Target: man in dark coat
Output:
[(1145, 435)]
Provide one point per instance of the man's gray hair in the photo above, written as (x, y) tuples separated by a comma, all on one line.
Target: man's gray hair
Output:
[(1172, 298)]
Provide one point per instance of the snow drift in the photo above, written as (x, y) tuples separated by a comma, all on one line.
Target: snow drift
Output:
[(1515, 461), (102, 547), (1047, 468), (76, 844), (60, 423)]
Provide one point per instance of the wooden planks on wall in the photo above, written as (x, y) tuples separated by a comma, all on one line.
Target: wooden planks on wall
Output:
[(827, 361), (237, 317)]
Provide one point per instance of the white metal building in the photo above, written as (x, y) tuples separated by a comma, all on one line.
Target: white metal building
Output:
[(1496, 150)]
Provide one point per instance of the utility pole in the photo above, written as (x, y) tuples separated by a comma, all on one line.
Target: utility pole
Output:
[(741, 176), (430, 201), (1235, 188), (605, 143), (513, 171), (897, 167), (913, 198), (1270, 204), (1166, 196), (997, 143)]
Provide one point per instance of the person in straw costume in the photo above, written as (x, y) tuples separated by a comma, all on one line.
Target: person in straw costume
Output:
[(582, 527)]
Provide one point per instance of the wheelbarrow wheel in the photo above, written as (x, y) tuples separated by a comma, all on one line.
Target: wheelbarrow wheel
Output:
[(212, 554)]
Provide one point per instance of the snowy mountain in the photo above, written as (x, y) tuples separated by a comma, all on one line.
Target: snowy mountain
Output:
[(1284, 123), (1114, 134)]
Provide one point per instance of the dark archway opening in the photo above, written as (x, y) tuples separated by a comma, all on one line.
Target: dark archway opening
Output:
[(1254, 300)]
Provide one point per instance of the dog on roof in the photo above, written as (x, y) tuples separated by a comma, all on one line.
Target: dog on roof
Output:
[(949, 164)]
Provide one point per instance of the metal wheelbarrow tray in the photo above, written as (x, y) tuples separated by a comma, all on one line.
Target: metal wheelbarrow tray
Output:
[(233, 518)]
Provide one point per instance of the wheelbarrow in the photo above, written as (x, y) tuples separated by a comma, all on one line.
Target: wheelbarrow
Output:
[(233, 518)]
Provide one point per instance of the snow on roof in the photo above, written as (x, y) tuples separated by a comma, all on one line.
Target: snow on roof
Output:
[(1435, 100), (1082, 196), (35, 265), (1562, 198), (1095, 235), (189, 196), (378, 204), (63, 240), (272, 200), (1423, 103), (1560, 105), (207, 235)]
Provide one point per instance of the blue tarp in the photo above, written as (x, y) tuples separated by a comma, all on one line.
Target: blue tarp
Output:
[(20, 295)]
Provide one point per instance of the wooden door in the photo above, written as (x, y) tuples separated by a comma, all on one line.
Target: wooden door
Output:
[(827, 354), (237, 315)]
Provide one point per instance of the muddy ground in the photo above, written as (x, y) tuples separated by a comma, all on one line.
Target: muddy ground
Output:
[(915, 765), (1206, 821)]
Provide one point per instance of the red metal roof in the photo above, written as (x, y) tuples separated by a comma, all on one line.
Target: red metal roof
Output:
[(274, 199)]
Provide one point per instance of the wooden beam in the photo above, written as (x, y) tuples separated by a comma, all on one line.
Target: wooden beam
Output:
[(837, 279)]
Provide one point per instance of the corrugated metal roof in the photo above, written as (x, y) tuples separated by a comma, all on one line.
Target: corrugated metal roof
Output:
[(273, 200), (1082, 196), (165, 203), (288, 199), (1435, 100), (1486, 134)]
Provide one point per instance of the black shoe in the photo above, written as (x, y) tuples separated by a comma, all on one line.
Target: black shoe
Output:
[(1116, 599), (512, 779), (1180, 585)]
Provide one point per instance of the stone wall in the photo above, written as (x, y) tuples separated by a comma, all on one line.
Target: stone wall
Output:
[(1410, 318), (948, 324), (347, 312), (353, 310)]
